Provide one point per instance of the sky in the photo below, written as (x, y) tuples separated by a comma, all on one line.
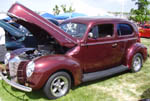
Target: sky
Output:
[(90, 7)]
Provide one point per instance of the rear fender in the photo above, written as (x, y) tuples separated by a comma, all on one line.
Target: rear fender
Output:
[(135, 48)]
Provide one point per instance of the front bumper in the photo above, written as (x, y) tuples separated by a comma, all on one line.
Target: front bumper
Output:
[(15, 85)]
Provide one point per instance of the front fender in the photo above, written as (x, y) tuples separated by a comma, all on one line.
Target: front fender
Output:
[(47, 65), (135, 48)]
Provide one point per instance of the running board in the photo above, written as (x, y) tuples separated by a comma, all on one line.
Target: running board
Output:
[(104, 73)]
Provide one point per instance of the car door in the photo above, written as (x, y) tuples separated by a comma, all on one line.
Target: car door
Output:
[(126, 37), (101, 49)]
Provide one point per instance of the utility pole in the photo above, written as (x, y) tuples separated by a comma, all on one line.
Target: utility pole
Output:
[(122, 10)]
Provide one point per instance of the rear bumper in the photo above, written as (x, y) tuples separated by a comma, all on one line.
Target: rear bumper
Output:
[(15, 85)]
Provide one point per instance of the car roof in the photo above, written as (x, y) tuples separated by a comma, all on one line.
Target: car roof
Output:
[(87, 20)]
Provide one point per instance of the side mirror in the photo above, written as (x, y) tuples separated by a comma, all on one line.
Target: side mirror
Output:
[(90, 35)]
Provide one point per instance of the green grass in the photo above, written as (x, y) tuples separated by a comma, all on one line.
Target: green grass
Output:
[(123, 87)]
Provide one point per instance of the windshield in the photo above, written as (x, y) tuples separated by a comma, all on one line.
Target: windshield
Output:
[(74, 29)]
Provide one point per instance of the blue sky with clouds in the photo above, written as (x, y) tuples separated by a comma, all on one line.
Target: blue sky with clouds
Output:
[(83, 6)]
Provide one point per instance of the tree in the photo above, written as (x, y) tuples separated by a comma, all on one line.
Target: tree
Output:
[(56, 10), (64, 8), (142, 13)]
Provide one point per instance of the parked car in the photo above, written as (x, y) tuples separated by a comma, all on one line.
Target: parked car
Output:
[(144, 31), (18, 36), (14, 36), (79, 50)]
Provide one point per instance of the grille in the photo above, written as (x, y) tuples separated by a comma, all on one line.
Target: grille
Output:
[(13, 67), (21, 72)]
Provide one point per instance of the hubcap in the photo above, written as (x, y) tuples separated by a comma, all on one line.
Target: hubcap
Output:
[(59, 86), (137, 63)]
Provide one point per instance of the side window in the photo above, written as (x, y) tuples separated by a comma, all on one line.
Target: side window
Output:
[(146, 27), (101, 31), (124, 29)]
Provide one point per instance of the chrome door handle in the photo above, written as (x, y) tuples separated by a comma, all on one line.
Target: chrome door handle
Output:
[(114, 45)]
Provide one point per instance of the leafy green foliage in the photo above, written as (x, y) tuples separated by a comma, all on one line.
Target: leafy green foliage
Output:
[(65, 10), (142, 13), (57, 10)]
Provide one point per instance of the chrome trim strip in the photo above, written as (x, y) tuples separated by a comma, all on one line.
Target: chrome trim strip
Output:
[(16, 17), (16, 85), (107, 42)]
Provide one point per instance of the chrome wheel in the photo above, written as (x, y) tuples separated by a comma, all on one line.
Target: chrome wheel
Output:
[(137, 63), (59, 86)]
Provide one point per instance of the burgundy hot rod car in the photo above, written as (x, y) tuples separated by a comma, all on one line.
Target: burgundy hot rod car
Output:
[(79, 50)]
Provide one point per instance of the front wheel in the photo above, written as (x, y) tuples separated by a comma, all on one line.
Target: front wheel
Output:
[(57, 85), (137, 62)]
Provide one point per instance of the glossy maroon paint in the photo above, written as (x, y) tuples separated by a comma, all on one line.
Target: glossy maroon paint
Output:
[(47, 65), (87, 55), (132, 50)]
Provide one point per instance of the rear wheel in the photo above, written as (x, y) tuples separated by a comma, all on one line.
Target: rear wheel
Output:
[(137, 62), (57, 85)]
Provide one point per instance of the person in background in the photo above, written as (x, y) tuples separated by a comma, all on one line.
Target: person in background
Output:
[(2, 45)]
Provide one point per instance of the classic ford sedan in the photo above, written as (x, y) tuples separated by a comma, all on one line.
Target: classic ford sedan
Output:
[(79, 50)]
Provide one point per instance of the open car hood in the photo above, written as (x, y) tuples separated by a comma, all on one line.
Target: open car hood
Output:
[(35, 24)]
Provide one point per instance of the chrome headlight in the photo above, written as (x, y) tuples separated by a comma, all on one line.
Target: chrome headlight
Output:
[(6, 58), (30, 68)]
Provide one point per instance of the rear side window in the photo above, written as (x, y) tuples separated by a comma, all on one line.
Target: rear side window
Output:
[(124, 29)]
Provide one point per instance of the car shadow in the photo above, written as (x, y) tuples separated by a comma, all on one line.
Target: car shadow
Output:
[(99, 80), (31, 95), (21, 98), (39, 94), (146, 94)]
